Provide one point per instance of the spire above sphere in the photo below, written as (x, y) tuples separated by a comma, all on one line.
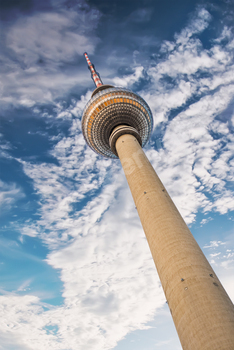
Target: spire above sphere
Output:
[(95, 76)]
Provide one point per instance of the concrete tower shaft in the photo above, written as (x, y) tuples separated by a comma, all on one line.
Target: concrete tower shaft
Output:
[(200, 307), (117, 123)]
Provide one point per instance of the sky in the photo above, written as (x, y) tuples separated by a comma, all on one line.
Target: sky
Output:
[(76, 270)]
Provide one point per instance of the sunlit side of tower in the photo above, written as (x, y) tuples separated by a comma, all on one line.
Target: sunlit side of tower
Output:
[(117, 123)]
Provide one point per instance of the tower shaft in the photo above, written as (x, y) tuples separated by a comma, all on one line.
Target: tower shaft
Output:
[(201, 309)]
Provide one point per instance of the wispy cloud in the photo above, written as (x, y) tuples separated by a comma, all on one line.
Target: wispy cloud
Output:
[(10, 193), (5, 146), (32, 71)]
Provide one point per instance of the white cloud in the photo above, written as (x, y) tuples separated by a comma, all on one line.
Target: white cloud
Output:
[(198, 24), (24, 286), (52, 37), (35, 74), (187, 69), (214, 244), (129, 80), (109, 280), (4, 147), (9, 194), (206, 220), (24, 316)]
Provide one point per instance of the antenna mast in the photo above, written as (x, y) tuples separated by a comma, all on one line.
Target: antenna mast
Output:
[(95, 76)]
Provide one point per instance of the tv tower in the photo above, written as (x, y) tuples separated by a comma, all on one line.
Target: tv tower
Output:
[(117, 123)]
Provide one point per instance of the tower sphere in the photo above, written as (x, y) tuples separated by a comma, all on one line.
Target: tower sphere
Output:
[(110, 107)]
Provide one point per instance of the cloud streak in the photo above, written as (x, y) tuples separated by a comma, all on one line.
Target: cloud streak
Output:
[(33, 67), (9, 194)]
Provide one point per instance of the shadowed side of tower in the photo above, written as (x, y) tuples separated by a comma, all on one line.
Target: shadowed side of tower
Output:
[(117, 123)]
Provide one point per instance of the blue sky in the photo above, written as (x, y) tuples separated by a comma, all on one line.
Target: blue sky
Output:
[(76, 270)]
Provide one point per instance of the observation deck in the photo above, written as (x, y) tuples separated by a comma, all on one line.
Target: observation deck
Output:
[(110, 107)]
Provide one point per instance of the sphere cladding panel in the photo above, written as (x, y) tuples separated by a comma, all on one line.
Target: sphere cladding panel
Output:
[(112, 107)]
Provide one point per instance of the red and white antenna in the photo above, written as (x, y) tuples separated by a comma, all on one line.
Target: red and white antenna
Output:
[(95, 76)]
